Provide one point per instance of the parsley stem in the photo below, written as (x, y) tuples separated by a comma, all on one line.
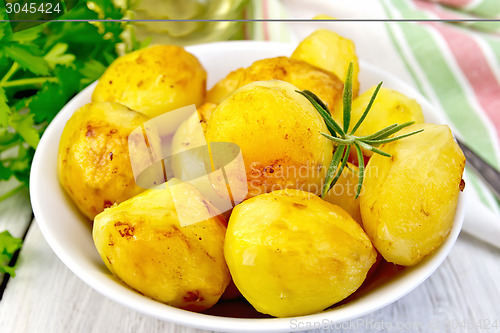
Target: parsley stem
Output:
[(12, 192), (13, 69), (27, 82)]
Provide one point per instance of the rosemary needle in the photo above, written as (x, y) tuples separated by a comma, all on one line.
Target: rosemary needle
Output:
[(345, 140)]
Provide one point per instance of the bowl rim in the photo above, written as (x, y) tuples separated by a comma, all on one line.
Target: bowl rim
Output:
[(113, 289)]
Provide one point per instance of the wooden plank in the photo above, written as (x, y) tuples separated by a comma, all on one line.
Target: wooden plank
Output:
[(465, 288), (15, 217), (15, 213)]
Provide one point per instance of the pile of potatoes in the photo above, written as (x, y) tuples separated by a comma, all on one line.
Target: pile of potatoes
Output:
[(287, 251)]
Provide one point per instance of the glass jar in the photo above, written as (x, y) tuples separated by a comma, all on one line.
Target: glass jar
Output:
[(187, 32)]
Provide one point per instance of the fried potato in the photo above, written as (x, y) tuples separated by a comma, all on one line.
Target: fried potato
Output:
[(409, 200), (326, 85), (278, 132), (153, 80), (142, 242), (94, 159), (291, 253), (332, 52)]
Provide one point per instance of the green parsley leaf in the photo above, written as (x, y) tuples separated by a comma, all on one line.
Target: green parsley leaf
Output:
[(5, 173), (46, 103), (21, 166), (8, 246), (24, 125), (4, 109), (5, 63), (43, 67), (52, 97), (58, 56), (25, 36), (92, 69), (6, 138), (24, 56), (20, 104)]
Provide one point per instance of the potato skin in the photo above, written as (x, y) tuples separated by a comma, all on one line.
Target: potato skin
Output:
[(343, 193), (278, 132), (327, 50), (142, 242), (409, 200), (94, 161), (301, 74), (291, 253), (153, 80)]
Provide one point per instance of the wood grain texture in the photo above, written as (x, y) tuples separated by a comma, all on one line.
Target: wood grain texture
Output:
[(466, 287), (15, 215)]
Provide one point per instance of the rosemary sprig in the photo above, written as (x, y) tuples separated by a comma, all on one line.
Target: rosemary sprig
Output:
[(345, 139)]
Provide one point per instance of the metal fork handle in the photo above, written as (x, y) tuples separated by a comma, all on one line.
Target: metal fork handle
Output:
[(485, 171)]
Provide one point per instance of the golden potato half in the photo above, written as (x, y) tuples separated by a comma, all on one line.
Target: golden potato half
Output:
[(94, 161), (332, 52), (291, 253), (153, 80), (278, 132), (409, 200), (326, 85), (142, 242)]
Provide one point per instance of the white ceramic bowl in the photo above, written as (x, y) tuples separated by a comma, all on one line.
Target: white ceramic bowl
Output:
[(69, 234)]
